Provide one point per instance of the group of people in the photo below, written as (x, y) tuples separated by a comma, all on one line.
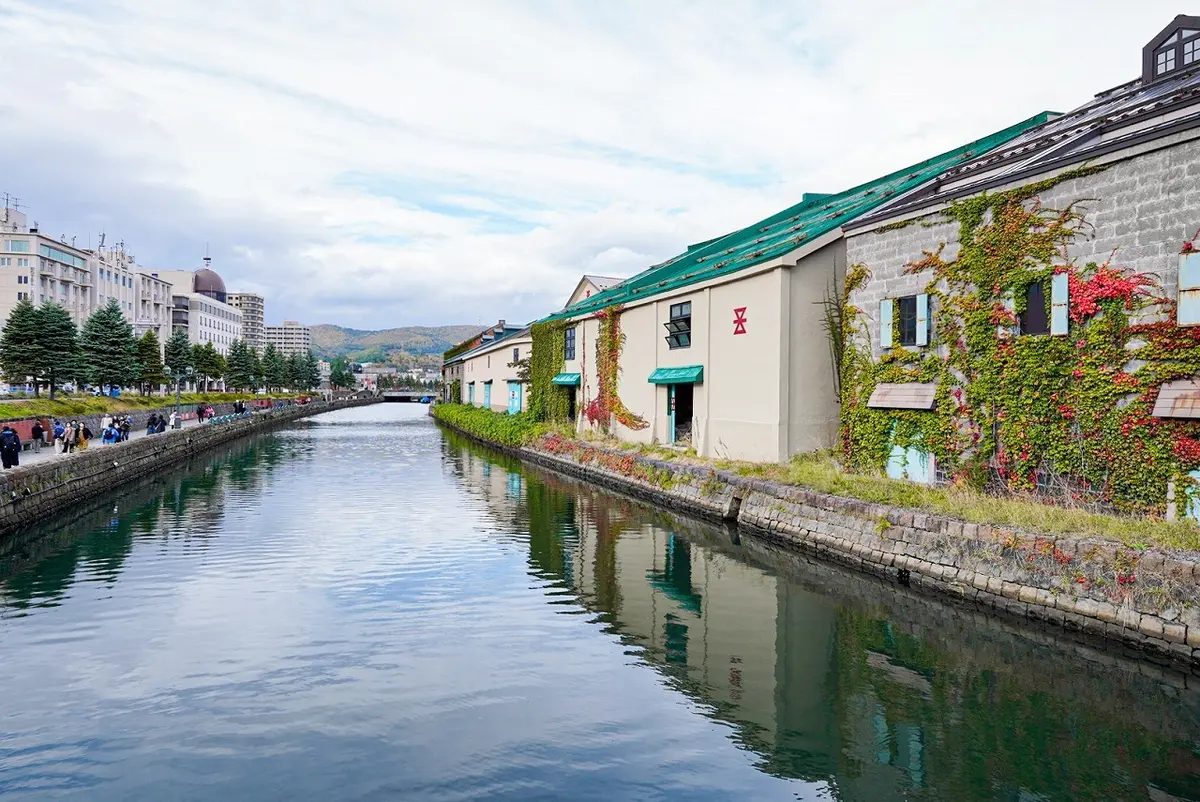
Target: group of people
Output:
[(73, 436), (157, 424), (115, 430)]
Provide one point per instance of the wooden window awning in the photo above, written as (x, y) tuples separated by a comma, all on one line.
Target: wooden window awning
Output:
[(908, 395), (1178, 399)]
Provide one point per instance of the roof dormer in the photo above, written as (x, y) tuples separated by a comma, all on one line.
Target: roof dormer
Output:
[(1176, 47)]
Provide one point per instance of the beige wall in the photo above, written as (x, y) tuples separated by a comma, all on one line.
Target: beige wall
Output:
[(812, 400), (492, 363)]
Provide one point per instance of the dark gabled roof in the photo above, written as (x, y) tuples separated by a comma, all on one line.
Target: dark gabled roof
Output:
[(784, 232), (1120, 118)]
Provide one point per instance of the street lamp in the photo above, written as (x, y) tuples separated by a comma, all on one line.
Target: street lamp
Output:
[(178, 376)]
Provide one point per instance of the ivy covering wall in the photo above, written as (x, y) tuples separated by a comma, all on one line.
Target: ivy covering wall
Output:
[(1071, 411), (607, 405), (547, 400)]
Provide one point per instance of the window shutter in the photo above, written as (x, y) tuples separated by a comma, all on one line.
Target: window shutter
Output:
[(1059, 304), (922, 319), (1187, 313), (885, 323)]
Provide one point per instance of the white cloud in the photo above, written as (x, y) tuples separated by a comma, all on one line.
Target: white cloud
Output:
[(382, 164)]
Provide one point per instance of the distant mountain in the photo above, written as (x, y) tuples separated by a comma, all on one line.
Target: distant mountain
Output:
[(410, 346)]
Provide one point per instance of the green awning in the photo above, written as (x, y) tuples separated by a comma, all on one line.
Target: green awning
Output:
[(568, 379), (689, 374)]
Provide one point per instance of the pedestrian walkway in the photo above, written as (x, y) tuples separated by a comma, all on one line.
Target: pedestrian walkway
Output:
[(47, 453)]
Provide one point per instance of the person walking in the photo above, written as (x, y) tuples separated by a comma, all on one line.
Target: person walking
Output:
[(106, 421), (60, 432), (39, 436), (124, 428), (174, 420), (152, 423), (85, 434), (109, 435), (10, 447)]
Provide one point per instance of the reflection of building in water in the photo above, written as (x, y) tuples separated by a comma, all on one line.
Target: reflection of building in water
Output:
[(827, 684)]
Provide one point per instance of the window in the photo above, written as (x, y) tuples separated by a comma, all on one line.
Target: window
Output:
[(23, 261), (516, 355), (1035, 319), (1179, 50), (569, 344), (1191, 50), (906, 320), (1164, 61), (5, 261), (679, 327)]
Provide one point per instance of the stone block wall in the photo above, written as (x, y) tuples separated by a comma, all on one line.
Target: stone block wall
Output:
[(33, 492), (1143, 208)]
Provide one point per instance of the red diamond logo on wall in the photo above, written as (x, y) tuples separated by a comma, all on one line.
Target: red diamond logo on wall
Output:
[(739, 320)]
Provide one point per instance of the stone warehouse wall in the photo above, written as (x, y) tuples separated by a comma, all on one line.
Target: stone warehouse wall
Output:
[(1143, 209), (31, 493), (1148, 600)]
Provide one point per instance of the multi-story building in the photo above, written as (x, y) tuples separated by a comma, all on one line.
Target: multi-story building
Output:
[(200, 307), (290, 338), (253, 324), (152, 309), (38, 268)]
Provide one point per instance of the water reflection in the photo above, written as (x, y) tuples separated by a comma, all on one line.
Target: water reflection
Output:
[(90, 542), (836, 678)]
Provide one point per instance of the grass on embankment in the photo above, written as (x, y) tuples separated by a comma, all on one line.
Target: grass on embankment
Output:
[(819, 472), (67, 406)]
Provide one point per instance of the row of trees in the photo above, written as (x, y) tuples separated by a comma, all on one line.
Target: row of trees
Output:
[(42, 344)]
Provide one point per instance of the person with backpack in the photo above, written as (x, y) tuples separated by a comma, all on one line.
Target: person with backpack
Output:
[(10, 447), (109, 435), (123, 429), (39, 436)]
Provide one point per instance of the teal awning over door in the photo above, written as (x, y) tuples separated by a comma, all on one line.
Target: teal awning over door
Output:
[(690, 374), (566, 379)]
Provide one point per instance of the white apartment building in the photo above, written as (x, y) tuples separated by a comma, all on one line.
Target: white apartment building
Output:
[(290, 338), (200, 307), (143, 296), (253, 322), (152, 308), (39, 268)]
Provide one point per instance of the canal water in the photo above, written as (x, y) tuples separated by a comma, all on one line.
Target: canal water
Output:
[(362, 607)]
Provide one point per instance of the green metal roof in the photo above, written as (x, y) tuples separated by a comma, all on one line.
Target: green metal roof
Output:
[(691, 374), (814, 216), (568, 379)]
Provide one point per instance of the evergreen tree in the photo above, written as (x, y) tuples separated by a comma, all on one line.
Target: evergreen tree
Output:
[(340, 375), (150, 364), (273, 369), (57, 351), (256, 371), (239, 367), (207, 363), (294, 370), (107, 348), (312, 371), (179, 352), (19, 345)]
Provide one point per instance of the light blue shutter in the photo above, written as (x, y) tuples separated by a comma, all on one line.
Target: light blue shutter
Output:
[(922, 319), (1058, 304), (1188, 311), (885, 323), (1193, 498)]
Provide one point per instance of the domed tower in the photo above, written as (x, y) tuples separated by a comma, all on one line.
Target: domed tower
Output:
[(208, 282)]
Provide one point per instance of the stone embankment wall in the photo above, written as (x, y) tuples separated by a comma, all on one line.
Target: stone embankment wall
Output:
[(1147, 600), (31, 493)]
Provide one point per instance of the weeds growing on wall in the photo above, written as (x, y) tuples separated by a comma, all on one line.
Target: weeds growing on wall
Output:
[(547, 400), (1071, 412), (607, 405)]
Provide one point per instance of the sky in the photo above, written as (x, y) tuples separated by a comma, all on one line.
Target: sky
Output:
[(380, 164)]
